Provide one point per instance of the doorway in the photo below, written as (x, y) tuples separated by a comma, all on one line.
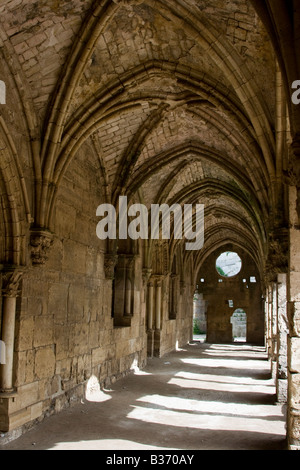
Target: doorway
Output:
[(199, 317), (239, 326)]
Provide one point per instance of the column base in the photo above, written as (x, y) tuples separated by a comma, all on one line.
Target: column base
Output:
[(293, 429), (7, 400)]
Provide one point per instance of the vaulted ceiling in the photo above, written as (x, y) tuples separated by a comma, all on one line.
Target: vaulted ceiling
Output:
[(180, 100)]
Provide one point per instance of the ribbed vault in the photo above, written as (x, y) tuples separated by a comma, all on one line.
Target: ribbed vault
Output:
[(177, 102), (158, 92)]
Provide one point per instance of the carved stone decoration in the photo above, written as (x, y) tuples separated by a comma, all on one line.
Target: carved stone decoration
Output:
[(110, 262), (292, 175), (11, 279), (40, 243), (146, 275), (278, 258)]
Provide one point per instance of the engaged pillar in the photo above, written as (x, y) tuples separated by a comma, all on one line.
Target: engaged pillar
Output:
[(293, 422), (10, 289)]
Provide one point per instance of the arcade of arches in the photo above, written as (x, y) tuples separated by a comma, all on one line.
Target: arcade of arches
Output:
[(162, 101)]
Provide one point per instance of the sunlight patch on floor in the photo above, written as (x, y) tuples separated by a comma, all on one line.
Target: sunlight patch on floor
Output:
[(105, 444), (211, 420), (160, 402)]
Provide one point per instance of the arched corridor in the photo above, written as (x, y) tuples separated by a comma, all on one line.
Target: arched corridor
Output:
[(147, 147), (202, 397)]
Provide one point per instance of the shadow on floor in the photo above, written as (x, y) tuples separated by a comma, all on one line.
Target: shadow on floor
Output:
[(203, 397)]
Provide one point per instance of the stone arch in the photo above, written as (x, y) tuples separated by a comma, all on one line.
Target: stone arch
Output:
[(231, 293), (235, 68), (280, 20), (174, 288), (15, 201)]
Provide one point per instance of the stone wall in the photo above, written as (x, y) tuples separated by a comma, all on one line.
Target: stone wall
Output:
[(218, 291), (65, 332)]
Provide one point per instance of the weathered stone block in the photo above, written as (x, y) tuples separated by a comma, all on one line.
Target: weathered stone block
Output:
[(19, 418), (36, 411), (294, 391), (76, 301), (61, 340), (28, 395), (44, 363), (43, 331), (26, 327), (80, 339), (25, 368), (57, 305), (294, 355), (98, 356), (74, 257), (294, 286)]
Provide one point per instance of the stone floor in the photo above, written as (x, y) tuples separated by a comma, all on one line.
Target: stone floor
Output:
[(202, 397)]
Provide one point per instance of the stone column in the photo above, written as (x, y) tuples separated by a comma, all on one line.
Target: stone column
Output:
[(173, 294), (10, 289), (150, 305), (266, 305), (274, 330), (269, 308), (158, 305), (281, 381), (293, 424), (293, 421), (150, 310), (158, 315), (146, 274), (129, 269)]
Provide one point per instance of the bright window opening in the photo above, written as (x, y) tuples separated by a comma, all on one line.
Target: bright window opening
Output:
[(229, 264)]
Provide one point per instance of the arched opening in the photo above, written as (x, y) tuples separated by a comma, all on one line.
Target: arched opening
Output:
[(168, 104), (199, 317), (229, 279), (239, 326)]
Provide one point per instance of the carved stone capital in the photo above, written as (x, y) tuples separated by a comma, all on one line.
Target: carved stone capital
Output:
[(110, 262), (11, 279), (292, 175), (146, 273), (277, 261), (40, 244), (158, 279)]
